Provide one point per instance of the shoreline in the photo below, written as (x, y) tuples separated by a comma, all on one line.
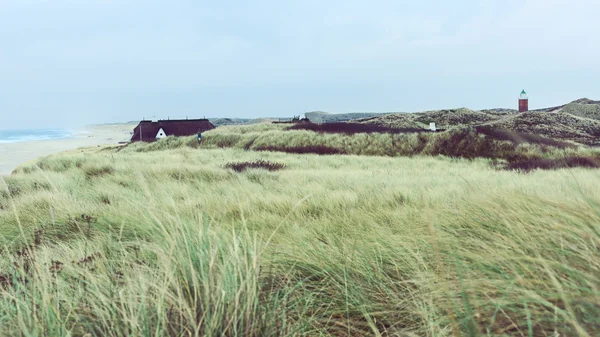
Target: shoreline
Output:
[(14, 154)]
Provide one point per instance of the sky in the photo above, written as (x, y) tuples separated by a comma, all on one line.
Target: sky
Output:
[(78, 62)]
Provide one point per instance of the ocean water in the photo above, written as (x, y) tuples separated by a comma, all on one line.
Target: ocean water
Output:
[(13, 136)]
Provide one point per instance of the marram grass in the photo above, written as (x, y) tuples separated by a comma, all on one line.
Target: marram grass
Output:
[(170, 243), (457, 142)]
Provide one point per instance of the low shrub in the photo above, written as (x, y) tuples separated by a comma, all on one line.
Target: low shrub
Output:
[(315, 149), (521, 137), (468, 144), (263, 164), (97, 171), (352, 128), (553, 164)]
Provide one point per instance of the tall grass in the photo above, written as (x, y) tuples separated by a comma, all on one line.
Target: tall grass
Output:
[(169, 242), (465, 143)]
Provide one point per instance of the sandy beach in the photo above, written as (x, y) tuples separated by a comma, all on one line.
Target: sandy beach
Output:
[(15, 154)]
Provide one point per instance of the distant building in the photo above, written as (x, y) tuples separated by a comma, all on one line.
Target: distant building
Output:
[(523, 102), (149, 131)]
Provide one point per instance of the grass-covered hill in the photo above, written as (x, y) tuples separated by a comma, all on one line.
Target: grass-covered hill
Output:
[(556, 125), (373, 140), (392, 120), (454, 117), (578, 121), (442, 118), (223, 238), (583, 108), (565, 122)]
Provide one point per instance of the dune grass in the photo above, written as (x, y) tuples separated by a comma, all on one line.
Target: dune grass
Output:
[(519, 149), (150, 242)]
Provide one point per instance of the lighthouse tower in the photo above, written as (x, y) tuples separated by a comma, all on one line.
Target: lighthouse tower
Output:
[(523, 102)]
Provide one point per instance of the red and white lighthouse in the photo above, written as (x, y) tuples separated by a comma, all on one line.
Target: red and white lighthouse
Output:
[(523, 102)]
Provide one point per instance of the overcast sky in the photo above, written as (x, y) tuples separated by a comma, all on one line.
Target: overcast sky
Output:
[(70, 63)]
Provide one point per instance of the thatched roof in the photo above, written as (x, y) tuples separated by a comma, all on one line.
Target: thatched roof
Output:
[(146, 131)]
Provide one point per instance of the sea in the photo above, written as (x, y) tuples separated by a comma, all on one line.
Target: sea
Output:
[(14, 136)]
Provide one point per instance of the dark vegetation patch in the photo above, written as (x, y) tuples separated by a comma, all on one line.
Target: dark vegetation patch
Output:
[(125, 183), (501, 144), (460, 143), (517, 137), (105, 199), (352, 128), (553, 164), (315, 149), (262, 164), (88, 259), (41, 185), (248, 145), (554, 125), (466, 143), (98, 171)]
